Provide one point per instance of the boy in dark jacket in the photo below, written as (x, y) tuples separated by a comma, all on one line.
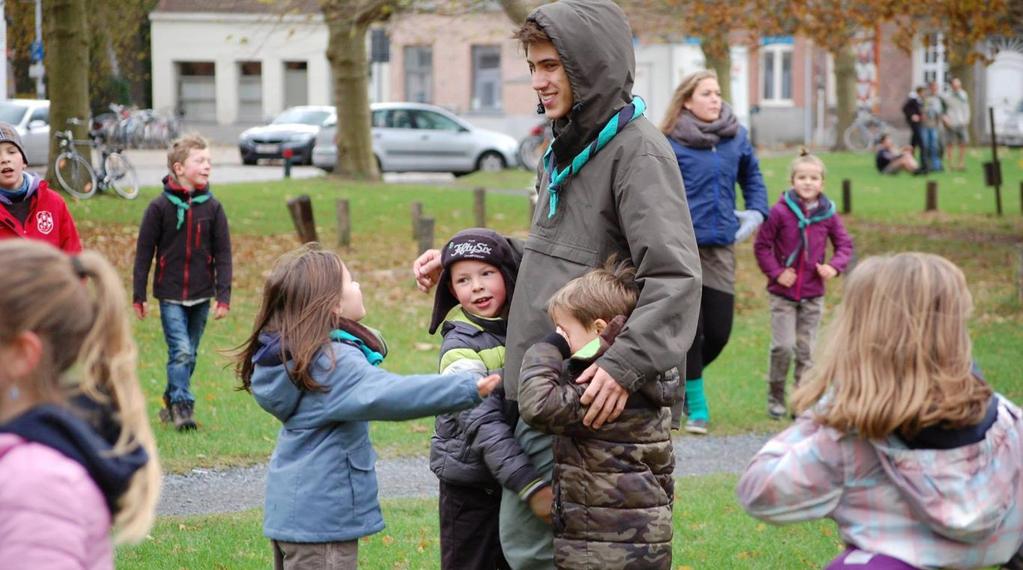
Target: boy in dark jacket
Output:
[(791, 248), (613, 487), (187, 228), (474, 452)]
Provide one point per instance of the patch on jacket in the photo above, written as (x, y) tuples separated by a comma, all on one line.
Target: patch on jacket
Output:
[(44, 222)]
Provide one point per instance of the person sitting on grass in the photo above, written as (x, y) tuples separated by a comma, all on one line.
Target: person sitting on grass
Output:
[(893, 160)]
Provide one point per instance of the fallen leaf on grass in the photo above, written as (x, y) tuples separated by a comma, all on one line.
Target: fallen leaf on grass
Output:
[(417, 428), (424, 346)]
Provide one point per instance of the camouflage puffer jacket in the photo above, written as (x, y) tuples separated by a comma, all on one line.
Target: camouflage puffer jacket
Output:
[(613, 487)]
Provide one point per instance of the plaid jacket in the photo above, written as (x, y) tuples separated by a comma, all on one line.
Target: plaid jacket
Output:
[(932, 508)]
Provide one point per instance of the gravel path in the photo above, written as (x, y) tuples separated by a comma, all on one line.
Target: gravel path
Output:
[(205, 491)]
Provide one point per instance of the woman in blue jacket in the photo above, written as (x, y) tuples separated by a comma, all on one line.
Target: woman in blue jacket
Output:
[(714, 152)]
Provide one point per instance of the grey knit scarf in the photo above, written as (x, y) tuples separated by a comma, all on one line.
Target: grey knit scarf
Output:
[(692, 132)]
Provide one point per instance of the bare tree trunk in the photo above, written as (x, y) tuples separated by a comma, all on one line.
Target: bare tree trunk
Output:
[(516, 10), (67, 69), (346, 51), (845, 93), (719, 58)]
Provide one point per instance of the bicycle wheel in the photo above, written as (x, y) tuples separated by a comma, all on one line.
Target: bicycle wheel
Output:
[(531, 150), (857, 137), (121, 175), (75, 175)]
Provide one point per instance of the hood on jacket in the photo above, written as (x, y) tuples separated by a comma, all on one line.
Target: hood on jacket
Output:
[(594, 41), (61, 429), (961, 492), (271, 384)]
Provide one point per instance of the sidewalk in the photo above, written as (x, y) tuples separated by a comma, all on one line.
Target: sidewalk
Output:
[(204, 491)]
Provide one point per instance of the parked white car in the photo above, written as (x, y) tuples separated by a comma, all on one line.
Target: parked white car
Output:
[(31, 118), (416, 137)]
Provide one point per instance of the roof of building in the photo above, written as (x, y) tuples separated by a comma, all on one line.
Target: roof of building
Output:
[(240, 6)]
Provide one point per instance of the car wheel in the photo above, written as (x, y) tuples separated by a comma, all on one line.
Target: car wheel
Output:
[(249, 160), (490, 161)]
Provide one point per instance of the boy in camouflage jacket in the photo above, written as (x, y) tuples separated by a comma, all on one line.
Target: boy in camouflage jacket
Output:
[(613, 487)]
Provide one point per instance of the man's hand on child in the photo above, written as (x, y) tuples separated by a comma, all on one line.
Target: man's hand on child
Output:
[(826, 271), (221, 311), (141, 310), (604, 396), (542, 503), (487, 384), (787, 277), (426, 269)]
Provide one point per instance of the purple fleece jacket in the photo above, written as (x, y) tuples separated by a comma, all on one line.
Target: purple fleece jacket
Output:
[(779, 236)]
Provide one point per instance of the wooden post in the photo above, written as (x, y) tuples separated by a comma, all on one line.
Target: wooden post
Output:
[(846, 196), (301, 209), (344, 224), (480, 206), (1019, 285), (425, 234), (417, 214), (1021, 197), (996, 180), (932, 196)]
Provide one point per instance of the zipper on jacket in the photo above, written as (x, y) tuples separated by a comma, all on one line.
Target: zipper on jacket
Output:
[(198, 235), (188, 248)]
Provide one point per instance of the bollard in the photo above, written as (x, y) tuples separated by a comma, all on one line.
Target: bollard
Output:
[(846, 196), (287, 154), (932, 196), (344, 224), (301, 209), (480, 207), (417, 214), (425, 234)]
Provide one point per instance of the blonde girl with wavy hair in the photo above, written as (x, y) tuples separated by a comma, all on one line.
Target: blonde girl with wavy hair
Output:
[(77, 455), (899, 440)]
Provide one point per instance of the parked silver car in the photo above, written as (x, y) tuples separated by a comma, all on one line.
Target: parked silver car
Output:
[(416, 137), (295, 129), (31, 118)]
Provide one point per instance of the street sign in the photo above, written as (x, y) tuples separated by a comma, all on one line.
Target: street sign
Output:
[(36, 51)]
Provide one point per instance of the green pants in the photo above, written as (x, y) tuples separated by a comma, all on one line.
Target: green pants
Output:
[(528, 542)]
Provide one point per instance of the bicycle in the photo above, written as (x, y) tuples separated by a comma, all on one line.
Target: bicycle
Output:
[(864, 132), (533, 147), (76, 175)]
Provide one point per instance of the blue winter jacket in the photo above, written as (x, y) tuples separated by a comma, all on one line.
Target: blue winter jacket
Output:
[(710, 175), (322, 484)]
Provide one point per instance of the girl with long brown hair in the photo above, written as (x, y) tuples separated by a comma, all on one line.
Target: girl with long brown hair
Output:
[(311, 364), (77, 455), (899, 440)]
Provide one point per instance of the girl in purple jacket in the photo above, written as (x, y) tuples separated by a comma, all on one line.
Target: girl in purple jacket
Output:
[(791, 248), (77, 455)]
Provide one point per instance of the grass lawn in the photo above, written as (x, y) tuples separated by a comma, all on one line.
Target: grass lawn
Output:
[(711, 530), (410, 541)]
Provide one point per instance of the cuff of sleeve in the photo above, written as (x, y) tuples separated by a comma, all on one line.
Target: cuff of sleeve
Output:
[(530, 489), (223, 304), (559, 343)]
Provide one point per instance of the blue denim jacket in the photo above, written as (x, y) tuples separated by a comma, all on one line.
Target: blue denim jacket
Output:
[(322, 485)]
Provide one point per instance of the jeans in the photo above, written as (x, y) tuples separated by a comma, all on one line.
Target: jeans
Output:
[(931, 148), (794, 327), (182, 329)]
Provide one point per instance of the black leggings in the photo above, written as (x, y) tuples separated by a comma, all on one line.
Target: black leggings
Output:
[(712, 331)]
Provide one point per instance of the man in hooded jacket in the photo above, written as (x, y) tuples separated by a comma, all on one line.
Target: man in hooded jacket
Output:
[(609, 185)]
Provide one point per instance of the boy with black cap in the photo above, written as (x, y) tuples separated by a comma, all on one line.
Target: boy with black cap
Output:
[(28, 208), (474, 453)]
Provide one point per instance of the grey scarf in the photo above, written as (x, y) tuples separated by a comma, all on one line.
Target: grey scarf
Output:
[(692, 132)]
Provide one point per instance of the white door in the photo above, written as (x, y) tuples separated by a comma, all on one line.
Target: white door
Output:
[(37, 136), (444, 145)]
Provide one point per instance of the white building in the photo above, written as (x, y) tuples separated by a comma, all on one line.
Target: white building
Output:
[(237, 61)]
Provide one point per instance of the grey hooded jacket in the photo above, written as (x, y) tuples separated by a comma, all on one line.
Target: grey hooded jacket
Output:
[(628, 200)]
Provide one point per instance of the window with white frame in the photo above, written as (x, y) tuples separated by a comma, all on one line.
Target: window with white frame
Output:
[(934, 65), (486, 78), (419, 74), (776, 71)]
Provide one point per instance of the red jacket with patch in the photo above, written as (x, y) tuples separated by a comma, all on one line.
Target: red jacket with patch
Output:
[(48, 220)]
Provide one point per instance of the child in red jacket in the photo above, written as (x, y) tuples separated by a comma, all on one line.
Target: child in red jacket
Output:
[(791, 248), (29, 208)]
